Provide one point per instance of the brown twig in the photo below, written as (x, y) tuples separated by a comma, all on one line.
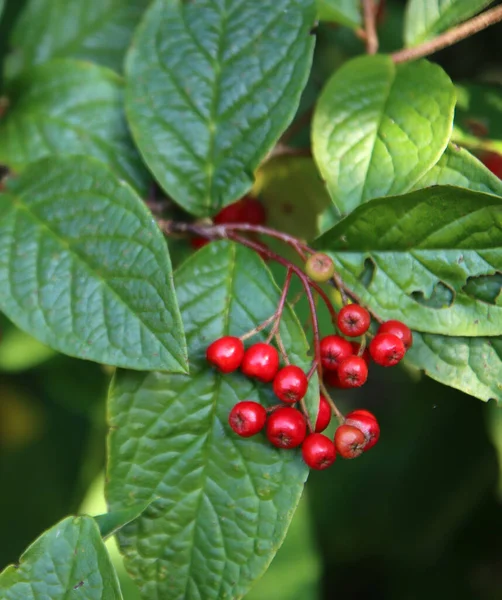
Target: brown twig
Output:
[(280, 307), (331, 402), (369, 14), (450, 37)]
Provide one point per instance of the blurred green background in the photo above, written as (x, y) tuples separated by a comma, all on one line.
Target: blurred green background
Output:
[(418, 517)]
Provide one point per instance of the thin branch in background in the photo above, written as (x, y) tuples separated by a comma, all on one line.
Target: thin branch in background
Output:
[(465, 30), (369, 14)]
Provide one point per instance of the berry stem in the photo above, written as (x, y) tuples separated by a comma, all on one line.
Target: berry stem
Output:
[(258, 328), (331, 402), (282, 349), (370, 13), (280, 307)]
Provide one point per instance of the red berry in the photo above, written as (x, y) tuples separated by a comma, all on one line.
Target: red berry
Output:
[(333, 350), (387, 349), (400, 330), (493, 161), (226, 353), (232, 213), (353, 320), (198, 242), (366, 355), (353, 371), (349, 441), (318, 451), (253, 211), (324, 415), (260, 361), (367, 423), (286, 427), (290, 384), (331, 379), (247, 418)]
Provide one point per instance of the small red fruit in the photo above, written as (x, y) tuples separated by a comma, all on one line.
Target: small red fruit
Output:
[(387, 349), (319, 267), (260, 361), (334, 349), (198, 242), (247, 418), (353, 371), (286, 427), (353, 320), (493, 161), (226, 353), (331, 379), (318, 451), (367, 423), (366, 355), (323, 415), (253, 211), (400, 330), (290, 384), (349, 441), (232, 213)]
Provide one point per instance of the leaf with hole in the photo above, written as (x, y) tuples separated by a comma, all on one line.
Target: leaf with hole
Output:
[(345, 12), (377, 129), (224, 503), (415, 258), (84, 268), (425, 19), (98, 31), (233, 74), (69, 560), (69, 107)]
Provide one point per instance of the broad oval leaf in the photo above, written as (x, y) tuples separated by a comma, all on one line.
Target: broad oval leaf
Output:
[(225, 502), (69, 107), (345, 12), (68, 561), (377, 129), (472, 365), (478, 116), (84, 268), (426, 19), (210, 87), (459, 167), (430, 258), (96, 30)]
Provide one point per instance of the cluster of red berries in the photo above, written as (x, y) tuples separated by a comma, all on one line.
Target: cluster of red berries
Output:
[(286, 426), (345, 364), (246, 210)]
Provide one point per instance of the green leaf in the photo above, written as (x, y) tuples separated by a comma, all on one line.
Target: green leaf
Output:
[(413, 257), (458, 167), (69, 107), (69, 560), (95, 30), (20, 351), (426, 19), (472, 365), (225, 502), (2, 6), (109, 523), (233, 74), (377, 128), (345, 12), (84, 269), (478, 117)]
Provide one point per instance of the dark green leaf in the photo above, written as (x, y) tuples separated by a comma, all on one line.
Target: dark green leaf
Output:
[(458, 167), (2, 5), (345, 12), (225, 502), (473, 365), (210, 87), (110, 522), (411, 257), (478, 116), (84, 268), (69, 107), (70, 560), (96, 30), (377, 128), (426, 19)]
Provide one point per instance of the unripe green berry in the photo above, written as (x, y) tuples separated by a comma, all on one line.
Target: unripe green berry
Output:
[(319, 267)]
